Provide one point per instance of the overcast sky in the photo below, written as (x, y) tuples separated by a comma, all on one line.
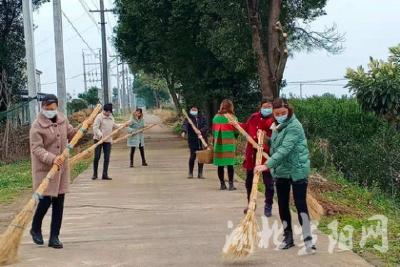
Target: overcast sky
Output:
[(371, 26)]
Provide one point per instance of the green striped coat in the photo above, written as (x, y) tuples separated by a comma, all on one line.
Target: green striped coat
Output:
[(224, 141)]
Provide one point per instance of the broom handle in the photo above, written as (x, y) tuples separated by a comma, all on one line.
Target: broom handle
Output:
[(256, 177), (93, 147), (134, 133), (85, 126), (232, 120), (195, 128)]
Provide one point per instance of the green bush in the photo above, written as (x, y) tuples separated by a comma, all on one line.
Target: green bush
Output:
[(365, 148)]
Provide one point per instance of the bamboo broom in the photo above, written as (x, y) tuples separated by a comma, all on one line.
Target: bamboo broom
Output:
[(316, 211), (87, 152), (244, 238), (10, 240), (203, 141), (134, 133)]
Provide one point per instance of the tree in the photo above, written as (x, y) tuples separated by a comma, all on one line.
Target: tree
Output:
[(378, 89), (276, 24), (91, 96), (151, 89), (76, 105), (205, 50), (12, 49)]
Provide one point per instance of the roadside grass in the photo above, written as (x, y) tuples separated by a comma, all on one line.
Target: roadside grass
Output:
[(16, 178), (364, 204)]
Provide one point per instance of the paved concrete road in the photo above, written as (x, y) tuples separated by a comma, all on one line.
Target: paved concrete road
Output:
[(155, 216)]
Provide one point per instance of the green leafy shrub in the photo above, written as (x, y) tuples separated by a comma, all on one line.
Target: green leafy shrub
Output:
[(364, 147)]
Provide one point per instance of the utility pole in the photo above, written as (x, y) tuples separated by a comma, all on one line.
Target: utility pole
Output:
[(84, 71), (102, 11), (128, 88), (59, 48), (30, 57), (123, 87)]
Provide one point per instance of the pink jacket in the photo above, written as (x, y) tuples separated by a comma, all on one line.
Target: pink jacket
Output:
[(48, 140)]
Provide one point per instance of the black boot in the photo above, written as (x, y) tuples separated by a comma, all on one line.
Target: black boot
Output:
[(201, 166), (54, 242), (223, 186), (37, 237), (287, 240), (231, 186)]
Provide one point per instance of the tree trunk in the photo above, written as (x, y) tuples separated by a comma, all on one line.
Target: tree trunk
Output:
[(262, 66), (271, 59), (174, 96)]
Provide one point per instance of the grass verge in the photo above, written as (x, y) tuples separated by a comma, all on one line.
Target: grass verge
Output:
[(361, 204), (16, 178)]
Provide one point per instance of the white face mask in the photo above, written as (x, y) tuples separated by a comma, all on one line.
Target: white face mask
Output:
[(50, 114)]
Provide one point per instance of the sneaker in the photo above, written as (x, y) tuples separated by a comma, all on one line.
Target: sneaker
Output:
[(200, 176), (106, 178), (223, 186), (232, 187), (94, 178), (145, 164), (287, 241), (190, 176)]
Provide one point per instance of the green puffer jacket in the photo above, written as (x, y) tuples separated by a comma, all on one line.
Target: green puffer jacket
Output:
[(289, 151)]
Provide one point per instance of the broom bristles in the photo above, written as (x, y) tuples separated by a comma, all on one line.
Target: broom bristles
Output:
[(243, 240)]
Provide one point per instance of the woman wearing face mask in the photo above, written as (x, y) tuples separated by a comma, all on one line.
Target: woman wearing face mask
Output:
[(290, 165), (48, 137), (193, 138), (103, 126), (261, 120), (137, 141), (225, 136)]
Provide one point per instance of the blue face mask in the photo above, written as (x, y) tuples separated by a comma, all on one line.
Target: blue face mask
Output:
[(266, 112), (194, 113), (281, 119)]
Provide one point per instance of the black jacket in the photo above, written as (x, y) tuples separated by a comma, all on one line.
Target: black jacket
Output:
[(201, 124)]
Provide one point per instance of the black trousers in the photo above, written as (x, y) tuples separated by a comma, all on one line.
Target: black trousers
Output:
[(132, 155), (57, 204), (300, 200), (269, 186), (221, 173), (97, 155), (192, 160)]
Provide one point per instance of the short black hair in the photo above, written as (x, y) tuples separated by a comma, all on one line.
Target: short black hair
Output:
[(140, 110), (49, 99), (266, 100), (108, 107)]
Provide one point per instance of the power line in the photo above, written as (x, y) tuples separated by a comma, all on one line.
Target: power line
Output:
[(318, 81), (77, 32), (86, 8)]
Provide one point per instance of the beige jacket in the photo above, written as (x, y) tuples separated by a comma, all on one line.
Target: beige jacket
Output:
[(48, 140), (103, 126)]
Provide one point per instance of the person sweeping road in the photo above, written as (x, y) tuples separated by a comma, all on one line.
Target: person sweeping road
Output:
[(137, 140), (103, 125), (225, 135), (260, 120), (290, 166), (48, 137), (194, 141)]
